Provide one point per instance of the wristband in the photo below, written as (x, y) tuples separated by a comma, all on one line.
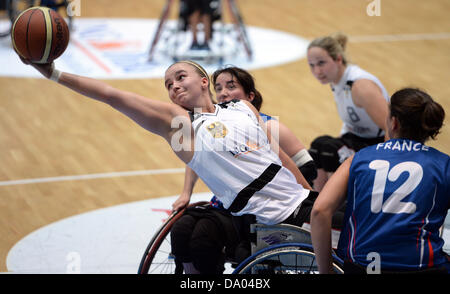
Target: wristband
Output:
[(55, 75), (301, 157)]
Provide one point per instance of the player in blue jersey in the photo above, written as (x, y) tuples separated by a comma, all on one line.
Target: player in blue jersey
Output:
[(398, 195)]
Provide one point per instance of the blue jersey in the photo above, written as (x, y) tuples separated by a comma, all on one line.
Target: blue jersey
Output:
[(397, 199)]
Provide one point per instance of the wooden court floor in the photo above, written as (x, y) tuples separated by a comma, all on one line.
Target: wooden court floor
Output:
[(48, 131)]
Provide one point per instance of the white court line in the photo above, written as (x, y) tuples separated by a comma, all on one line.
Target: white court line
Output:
[(94, 176), (399, 37)]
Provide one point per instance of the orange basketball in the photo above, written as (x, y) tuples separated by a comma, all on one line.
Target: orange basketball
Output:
[(40, 34)]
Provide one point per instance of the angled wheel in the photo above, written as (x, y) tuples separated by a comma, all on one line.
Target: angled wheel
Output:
[(289, 258), (157, 258)]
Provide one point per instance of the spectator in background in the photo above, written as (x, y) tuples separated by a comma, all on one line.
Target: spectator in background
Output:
[(195, 12)]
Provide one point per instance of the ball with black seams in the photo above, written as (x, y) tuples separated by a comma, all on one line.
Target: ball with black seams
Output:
[(40, 35)]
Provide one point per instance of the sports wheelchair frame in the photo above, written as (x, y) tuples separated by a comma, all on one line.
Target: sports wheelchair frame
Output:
[(169, 39), (278, 249)]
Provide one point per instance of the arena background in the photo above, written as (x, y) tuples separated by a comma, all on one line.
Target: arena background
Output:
[(48, 131)]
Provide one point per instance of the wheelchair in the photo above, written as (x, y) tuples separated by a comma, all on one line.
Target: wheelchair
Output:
[(276, 249), (229, 39)]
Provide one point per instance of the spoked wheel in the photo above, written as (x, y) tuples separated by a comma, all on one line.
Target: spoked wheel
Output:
[(294, 258), (158, 258)]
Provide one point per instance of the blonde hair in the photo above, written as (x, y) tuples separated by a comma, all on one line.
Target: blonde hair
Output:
[(334, 44), (201, 71)]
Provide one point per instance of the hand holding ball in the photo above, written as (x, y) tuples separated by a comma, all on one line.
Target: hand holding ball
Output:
[(40, 35)]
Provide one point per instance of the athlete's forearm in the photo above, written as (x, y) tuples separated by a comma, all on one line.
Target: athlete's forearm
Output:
[(290, 165), (88, 87), (321, 239), (190, 178)]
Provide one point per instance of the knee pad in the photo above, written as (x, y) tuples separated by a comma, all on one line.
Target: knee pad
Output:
[(316, 147), (324, 151), (309, 171)]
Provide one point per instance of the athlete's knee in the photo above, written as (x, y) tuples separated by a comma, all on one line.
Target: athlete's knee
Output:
[(206, 247), (205, 235), (316, 148), (324, 151), (309, 171), (183, 227), (180, 235)]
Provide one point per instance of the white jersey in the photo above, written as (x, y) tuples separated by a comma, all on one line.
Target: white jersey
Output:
[(233, 158), (356, 120)]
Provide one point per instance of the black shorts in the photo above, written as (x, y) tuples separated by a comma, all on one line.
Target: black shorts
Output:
[(303, 214), (201, 235), (204, 6), (329, 152)]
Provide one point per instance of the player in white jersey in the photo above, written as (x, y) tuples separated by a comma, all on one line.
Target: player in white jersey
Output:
[(227, 147), (361, 102), (398, 195), (235, 83), (200, 236)]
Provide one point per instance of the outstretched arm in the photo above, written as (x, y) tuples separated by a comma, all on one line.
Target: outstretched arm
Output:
[(153, 115)]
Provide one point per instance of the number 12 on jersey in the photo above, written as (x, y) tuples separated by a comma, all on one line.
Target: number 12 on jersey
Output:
[(383, 173)]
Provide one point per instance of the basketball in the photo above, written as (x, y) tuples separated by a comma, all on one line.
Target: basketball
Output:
[(40, 35)]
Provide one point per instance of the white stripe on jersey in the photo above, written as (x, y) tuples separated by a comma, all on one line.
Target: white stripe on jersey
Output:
[(231, 151)]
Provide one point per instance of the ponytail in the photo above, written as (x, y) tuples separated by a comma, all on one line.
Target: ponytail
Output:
[(420, 117), (334, 44)]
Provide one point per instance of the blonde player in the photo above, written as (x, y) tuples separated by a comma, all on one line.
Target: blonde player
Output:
[(361, 100)]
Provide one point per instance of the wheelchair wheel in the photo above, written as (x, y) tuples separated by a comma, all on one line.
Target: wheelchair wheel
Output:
[(158, 258), (289, 258)]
